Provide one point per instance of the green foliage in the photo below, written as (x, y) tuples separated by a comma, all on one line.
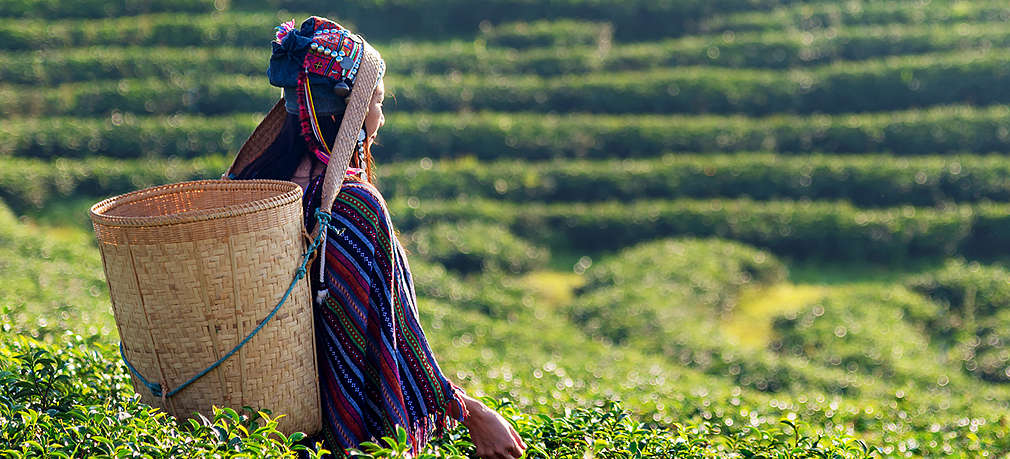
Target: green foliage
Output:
[(474, 246), (207, 96), (74, 400), (111, 63), (870, 181), (28, 184), (773, 49), (52, 281), (631, 19), (866, 181), (797, 48), (699, 277), (125, 136), (863, 330), (891, 84), (974, 315), (896, 83), (966, 289), (494, 135), (823, 15), (819, 229), (100, 8), (169, 29), (547, 33)]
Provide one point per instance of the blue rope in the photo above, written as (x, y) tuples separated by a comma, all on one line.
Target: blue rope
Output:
[(156, 389)]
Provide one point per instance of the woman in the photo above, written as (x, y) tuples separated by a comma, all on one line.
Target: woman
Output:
[(376, 370)]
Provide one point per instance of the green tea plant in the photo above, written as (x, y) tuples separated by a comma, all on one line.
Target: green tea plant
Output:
[(823, 15), (469, 247), (74, 400), (941, 130)]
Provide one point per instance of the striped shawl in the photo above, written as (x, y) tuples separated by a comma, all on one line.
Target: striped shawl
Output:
[(376, 369)]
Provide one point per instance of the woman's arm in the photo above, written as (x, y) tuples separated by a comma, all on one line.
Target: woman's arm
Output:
[(493, 436)]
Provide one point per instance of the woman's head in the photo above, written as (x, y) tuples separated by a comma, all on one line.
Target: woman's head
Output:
[(321, 59)]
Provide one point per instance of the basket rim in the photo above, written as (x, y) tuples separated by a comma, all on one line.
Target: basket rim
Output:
[(289, 192)]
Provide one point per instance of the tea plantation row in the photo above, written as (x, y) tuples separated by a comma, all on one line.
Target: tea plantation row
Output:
[(253, 29), (513, 47), (896, 83), (771, 50), (823, 15), (637, 19), (866, 181), (819, 229), (489, 135)]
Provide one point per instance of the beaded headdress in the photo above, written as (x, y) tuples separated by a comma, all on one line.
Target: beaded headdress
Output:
[(319, 51)]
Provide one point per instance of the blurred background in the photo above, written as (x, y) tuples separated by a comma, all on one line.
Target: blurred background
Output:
[(721, 211)]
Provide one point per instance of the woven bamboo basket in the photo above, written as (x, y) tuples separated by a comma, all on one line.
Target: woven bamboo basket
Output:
[(193, 268)]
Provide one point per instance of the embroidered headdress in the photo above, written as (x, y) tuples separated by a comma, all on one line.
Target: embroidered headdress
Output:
[(322, 53)]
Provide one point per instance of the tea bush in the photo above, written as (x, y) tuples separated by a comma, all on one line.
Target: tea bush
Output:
[(29, 184), (700, 278), (74, 400), (827, 15), (52, 282), (549, 33), (891, 84), (822, 230), (96, 64), (940, 130), (773, 49), (791, 48), (637, 19), (864, 331), (469, 247), (868, 181), (99, 8), (974, 301), (166, 29)]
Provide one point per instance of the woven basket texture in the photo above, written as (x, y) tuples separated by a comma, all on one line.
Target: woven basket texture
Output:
[(192, 269)]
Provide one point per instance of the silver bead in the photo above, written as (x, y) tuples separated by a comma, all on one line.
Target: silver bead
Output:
[(314, 45)]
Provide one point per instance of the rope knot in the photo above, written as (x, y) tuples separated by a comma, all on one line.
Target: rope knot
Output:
[(300, 273), (323, 217)]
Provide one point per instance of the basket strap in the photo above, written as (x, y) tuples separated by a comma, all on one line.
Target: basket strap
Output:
[(354, 116), (158, 391)]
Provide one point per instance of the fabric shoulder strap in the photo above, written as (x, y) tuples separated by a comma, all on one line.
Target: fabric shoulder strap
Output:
[(354, 117)]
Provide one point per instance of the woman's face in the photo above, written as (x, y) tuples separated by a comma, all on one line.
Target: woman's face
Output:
[(374, 118)]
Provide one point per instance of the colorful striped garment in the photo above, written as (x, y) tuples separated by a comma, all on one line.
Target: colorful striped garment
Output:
[(376, 369)]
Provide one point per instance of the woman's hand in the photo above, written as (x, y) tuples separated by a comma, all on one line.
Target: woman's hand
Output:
[(493, 436)]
